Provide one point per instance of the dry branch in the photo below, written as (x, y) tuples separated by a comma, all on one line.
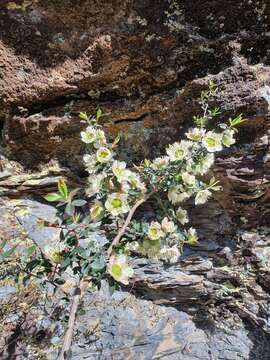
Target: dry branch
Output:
[(65, 351)]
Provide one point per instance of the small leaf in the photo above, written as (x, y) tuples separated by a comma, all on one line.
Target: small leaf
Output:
[(8, 253), (65, 263), (53, 197), (85, 267), (98, 114), (79, 202), (236, 121), (33, 264), (62, 188), (116, 140), (98, 264), (69, 209), (73, 193), (147, 162), (30, 251), (3, 244), (83, 116), (76, 217)]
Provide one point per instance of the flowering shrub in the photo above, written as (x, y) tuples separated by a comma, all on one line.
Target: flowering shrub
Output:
[(100, 226), (99, 240)]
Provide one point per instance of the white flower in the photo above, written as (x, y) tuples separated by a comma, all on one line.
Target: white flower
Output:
[(176, 194), (150, 248), (119, 170), (88, 158), (55, 252), (89, 135), (90, 163), (182, 216), (135, 181), (170, 254), (95, 183), (212, 141), (177, 151), (117, 204), (132, 246), (104, 155), (202, 196), (125, 187), (97, 211), (192, 237), (100, 136), (118, 268), (195, 134), (188, 179), (168, 226), (228, 138), (160, 163), (202, 165), (155, 232), (208, 160)]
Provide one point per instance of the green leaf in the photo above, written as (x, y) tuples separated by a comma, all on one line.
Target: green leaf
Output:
[(116, 140), (33, 264), (66, 263), (29, 251), (213, 185), (84, 253), (236, 121), (85, 267), (98, 264), (53, 197), (147, 162), (214, 112), (62, 188), (8, 253), (3, 244), (83, 116), (79, 202), (72, 194), (98, 114)]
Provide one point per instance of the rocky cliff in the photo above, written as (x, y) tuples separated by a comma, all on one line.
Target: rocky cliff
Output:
[(144, 63)]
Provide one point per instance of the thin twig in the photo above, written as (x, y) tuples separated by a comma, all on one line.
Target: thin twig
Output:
[(121, 232), (79, 292)]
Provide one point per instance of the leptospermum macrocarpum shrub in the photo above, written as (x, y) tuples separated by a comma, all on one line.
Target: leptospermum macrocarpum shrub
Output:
[(89, 225)]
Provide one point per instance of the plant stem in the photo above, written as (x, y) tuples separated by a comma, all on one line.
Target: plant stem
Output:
[(79, 292), (122, 231)]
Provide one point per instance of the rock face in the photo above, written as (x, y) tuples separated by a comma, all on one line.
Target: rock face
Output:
[(124, 327), (144, 63), (196, 309)]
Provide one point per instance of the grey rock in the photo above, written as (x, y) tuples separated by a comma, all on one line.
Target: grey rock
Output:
[(6, 293), (170, 284), (124, 327), (36, 212)]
